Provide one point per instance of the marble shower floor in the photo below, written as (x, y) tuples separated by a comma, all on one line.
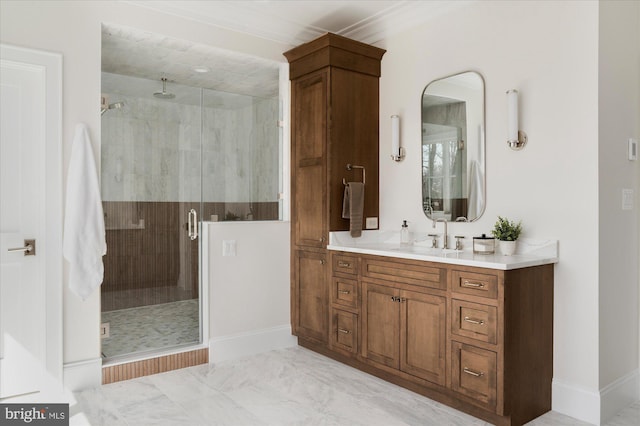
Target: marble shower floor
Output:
[(151, 327), (286, 387)]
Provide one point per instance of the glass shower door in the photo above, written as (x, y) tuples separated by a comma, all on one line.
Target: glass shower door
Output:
[(151, 190)]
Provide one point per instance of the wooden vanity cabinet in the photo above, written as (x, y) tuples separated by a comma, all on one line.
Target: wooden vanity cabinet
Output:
[(334, 122), (477, 339)]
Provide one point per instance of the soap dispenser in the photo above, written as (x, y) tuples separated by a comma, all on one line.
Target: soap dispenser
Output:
[(404, 233)]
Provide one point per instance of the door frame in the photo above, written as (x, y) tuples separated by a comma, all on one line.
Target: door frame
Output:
[(51, 246)]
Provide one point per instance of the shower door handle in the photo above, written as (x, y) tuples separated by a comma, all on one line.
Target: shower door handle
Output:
[(192, 226)]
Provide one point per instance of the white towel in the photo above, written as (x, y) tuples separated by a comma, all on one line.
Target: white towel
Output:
[(476, 196), (84, 234)]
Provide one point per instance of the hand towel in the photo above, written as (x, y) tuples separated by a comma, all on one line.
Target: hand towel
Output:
[(352, 207), (345, 202), (84, 241)]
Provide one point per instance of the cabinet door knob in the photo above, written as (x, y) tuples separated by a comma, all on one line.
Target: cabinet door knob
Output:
[(472, 373), (474, 321)]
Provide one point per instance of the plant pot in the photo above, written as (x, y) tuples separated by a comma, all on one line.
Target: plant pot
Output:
[(507, 248)]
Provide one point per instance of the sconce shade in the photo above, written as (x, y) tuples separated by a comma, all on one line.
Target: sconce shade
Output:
[(397, 153), (395, 135), (512, 117), (516, 139)]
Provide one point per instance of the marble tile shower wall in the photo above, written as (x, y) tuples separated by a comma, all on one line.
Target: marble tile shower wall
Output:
[(151, 174), (151, 152)]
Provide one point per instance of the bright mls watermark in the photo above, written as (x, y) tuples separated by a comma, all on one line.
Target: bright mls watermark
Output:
[(34, 414)]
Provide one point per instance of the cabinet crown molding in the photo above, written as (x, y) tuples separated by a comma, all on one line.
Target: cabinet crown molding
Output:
[(337, 51)]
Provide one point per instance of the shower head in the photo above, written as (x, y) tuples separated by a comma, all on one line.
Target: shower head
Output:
[(116, 105), (164, 94)]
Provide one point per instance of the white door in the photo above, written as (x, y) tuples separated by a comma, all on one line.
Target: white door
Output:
[(22, 216)]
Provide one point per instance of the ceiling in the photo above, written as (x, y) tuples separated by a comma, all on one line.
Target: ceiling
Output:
[(131, 52), (294, 22)]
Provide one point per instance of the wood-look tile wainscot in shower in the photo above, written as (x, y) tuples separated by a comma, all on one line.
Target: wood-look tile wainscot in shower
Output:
[(147, 367), (150, 259)]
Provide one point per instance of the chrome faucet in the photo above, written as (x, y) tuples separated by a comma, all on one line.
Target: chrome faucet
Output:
[(445, 236)]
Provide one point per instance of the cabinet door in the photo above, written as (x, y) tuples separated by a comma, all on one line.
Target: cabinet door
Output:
[(354, 139), (380, 324), (311, 295), (309, 183), (423, 336)]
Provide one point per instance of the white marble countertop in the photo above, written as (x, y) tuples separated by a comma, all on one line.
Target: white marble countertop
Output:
[(384, 243)]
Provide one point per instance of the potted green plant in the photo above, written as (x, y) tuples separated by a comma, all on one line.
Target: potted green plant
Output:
[(507, 233)]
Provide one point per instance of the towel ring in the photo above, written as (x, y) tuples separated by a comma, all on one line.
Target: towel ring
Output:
[(351, 167)]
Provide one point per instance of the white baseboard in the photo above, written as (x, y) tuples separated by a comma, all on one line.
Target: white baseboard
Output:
[(83, 374), (596, 407), (619, 395), (244, 344), (579, 403)]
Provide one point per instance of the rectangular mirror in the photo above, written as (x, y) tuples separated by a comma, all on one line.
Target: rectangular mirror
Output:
[(453, 163)]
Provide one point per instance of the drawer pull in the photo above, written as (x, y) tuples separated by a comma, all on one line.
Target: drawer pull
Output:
[(343, 264), (343, 331), (472, 373), (344, 292), (474, 321), (472, 284)]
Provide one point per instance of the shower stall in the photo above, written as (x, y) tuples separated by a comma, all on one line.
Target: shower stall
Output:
[(172, 157)]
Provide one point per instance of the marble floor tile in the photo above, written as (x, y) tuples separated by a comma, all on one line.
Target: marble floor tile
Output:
[(630, 416), (289, 387)]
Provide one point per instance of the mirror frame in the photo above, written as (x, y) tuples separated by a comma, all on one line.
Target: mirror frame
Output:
[(481, 147)]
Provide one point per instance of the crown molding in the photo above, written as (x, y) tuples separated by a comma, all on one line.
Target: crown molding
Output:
[(254, 18)]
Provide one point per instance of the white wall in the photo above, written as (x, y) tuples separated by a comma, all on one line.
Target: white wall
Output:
[(619, 120), (249, 303), (73, 29), (549, 52)]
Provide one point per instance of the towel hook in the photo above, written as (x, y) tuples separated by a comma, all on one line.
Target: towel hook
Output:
[(351, 167)]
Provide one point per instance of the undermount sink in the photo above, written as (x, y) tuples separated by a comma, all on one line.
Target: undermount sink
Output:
[(426, 250)]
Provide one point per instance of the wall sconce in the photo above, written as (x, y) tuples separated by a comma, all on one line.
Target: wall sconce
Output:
[(516, 139), (397, 152)]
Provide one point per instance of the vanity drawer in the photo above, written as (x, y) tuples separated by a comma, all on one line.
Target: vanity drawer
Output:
[(344, 330), (345, 264), (344, 292), (474, 374), (475, 321), (419, 273), (477, 284)]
